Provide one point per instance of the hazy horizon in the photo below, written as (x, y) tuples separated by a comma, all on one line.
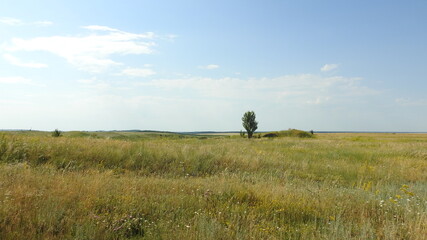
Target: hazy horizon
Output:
[(206, 131), (185, 66)]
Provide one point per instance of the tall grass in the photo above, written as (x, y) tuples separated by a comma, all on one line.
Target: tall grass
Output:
[(334, 186)]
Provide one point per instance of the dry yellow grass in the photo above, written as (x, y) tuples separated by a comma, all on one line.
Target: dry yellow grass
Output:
[(335, 186)]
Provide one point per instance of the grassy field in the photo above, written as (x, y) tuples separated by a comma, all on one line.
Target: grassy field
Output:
[(103, 185)]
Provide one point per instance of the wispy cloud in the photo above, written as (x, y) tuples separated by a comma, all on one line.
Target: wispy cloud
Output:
[(138, 72), (209, 67), (153, 111), (42, 23), (94, 83), (100, 28), (10, 21), (87, 81), (15, 80), (16, 61), (411, 102), (103, 85), (18, 22), (328, 67), (304, 88), (92, 52), (318, 100)]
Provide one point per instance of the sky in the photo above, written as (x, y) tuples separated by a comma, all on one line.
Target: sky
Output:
[(196, 65)]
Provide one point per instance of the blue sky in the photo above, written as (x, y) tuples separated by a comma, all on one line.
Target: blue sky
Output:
[(199, 65)]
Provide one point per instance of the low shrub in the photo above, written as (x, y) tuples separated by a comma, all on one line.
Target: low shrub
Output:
[(56, 133), (289, 133)]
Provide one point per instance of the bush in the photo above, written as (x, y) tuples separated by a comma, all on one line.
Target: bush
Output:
[(56, 133), (242, 134), (289, 133), (270, 135)]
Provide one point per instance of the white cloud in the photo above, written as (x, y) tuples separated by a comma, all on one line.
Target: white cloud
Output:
[(138, 72), (100, 28), (10, 21), (299, 88), (42, 23), (89, 53), (16, 61), (19, 22), (147, 112), (15, 80), (121, 34), (209, 67), (94, 83), (328, 67)]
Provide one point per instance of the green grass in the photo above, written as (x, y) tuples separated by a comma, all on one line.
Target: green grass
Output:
[(115, 185)]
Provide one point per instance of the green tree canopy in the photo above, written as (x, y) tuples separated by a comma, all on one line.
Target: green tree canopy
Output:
[(249, 123)]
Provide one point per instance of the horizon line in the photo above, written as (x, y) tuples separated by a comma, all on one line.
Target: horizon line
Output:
[(209, 131)]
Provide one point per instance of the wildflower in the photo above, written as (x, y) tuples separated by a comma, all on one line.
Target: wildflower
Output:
[(405, 190)]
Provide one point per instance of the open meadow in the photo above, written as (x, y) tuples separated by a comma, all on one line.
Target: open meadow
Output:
[(109, 185)]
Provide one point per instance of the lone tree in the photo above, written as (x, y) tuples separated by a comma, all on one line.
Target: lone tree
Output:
[(249, 123)]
